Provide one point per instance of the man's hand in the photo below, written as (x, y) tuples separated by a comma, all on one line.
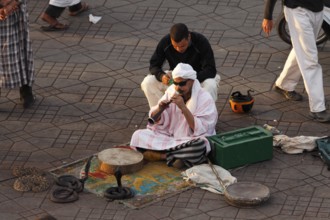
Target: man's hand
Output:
[(178, 100), (164, 104), (267, 26), (3, 14), (9, 6), (166, 79)]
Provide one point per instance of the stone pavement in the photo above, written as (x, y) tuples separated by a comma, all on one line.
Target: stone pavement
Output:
[(89, 99)]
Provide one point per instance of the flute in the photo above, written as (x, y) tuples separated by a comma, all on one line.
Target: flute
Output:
[(160, 110)]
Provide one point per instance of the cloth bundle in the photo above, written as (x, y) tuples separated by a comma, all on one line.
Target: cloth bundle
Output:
[(295, 145), (203, 176)]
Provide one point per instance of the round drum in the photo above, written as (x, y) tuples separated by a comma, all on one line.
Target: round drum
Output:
[(128, 160), (246, 194)]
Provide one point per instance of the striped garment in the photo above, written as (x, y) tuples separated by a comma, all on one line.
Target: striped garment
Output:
[(16, 58), (190, 153)]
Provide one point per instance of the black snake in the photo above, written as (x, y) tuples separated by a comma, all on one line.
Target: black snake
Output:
[(119, 192), (69, 186)]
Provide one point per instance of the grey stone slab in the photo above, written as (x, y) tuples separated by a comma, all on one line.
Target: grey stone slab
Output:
[(285, 184), (89, 98), (211, 206), (225, 212), (70, 111), (305, 191), (59, 153), (53, 101), (65, 211), (23, 146), (251, 214), (140, 215), (27, 203), (322, 192), (9, 215), (125, 83), (49, 133), (41, 156), (310, 170), (178, 213)]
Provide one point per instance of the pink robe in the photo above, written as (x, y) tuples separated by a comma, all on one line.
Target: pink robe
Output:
[(173, 129)]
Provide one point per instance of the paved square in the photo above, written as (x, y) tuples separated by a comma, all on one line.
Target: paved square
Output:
[(89, 99)]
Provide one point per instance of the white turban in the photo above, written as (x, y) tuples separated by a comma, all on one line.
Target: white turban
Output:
[(184, 71)]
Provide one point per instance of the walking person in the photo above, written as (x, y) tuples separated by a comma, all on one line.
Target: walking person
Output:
[(56, 8), (304, 18), (16, 58)]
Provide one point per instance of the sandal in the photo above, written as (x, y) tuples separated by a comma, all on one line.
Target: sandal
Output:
[(56, 27), (84, 7)]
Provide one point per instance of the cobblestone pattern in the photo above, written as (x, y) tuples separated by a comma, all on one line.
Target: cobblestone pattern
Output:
[(89, 98)]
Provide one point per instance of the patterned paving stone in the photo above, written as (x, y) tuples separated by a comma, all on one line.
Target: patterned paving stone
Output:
[(89, 99)]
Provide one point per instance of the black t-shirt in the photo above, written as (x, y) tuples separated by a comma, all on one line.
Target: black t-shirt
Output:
[(312, 5)]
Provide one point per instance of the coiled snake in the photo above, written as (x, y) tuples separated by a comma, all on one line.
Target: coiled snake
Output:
[(30, 179), (69, 186), (120, 192)]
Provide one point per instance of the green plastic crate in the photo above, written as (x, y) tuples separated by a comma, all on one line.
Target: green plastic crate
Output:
[(240, 147)]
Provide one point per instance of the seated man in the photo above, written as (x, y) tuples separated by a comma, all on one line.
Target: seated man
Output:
[(181, 46), (179, 132)]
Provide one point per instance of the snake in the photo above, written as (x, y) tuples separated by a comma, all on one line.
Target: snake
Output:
[(69, 186), (30, 179), (119, 192)]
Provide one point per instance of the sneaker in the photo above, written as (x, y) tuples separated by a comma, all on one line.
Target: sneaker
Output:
[(290, 95), (323, 116)]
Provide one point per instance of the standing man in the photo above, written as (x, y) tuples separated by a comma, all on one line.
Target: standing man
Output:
[(16, 58), (304, 18), (179, 133), (181, 46)]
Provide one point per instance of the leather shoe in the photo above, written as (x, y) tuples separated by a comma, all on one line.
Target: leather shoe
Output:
[(27, 96), (290, 95), (323, 116)]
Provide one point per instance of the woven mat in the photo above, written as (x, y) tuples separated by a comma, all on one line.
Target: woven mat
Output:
[(154, 182)]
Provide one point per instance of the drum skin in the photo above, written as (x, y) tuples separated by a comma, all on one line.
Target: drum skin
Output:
[(127, 160), (246, 194)]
